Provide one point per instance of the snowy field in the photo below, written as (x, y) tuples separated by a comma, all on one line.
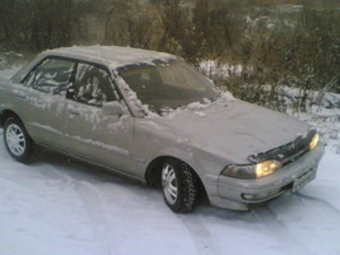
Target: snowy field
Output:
[(57, 207)]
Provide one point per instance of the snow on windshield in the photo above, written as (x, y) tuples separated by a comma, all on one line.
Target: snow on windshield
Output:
[(166, 85)]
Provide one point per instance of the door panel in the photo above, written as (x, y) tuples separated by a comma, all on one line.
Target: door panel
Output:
[(42, 96), (90, 134), (44, 118), (106, 140)]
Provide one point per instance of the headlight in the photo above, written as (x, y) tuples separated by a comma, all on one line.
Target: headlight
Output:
[(267, 168), (252, 171), (314, 142)]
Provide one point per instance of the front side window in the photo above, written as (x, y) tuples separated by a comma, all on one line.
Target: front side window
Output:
[(51, 76), (93, 85)]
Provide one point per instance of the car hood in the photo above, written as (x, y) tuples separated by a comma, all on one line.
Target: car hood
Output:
[(233, 130)]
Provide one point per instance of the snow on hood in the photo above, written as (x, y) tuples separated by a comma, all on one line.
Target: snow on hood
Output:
[(234, 130)]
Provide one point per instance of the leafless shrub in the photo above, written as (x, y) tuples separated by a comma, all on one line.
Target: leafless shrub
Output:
[(36, 25), (132, 23), (305, 55), (300, 49)]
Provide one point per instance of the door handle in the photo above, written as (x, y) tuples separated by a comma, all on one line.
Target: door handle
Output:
[(20, 95), (73, 112)]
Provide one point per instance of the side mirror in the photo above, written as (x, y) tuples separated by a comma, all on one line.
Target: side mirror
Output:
[(113, 108)]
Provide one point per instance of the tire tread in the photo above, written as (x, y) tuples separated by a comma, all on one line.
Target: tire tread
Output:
[(187, 188)]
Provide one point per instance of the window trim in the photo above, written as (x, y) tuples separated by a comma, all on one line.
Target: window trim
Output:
[(33, 69), (99, 67), (112, 76)]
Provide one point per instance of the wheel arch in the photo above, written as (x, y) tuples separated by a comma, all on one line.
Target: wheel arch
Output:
[(5, 114), (153, 172)]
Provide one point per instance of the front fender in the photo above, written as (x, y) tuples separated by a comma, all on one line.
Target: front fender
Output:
[(154, 140)]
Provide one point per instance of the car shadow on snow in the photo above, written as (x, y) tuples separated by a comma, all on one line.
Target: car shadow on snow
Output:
[(76, 169), (56, 166)]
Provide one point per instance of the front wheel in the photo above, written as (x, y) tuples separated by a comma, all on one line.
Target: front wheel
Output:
[(179, 185), (17, 141)]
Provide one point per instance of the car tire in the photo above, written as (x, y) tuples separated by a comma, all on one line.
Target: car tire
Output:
[(17, 141), (179, 186)]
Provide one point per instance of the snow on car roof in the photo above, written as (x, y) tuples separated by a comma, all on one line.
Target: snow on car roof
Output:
[(113, 56)]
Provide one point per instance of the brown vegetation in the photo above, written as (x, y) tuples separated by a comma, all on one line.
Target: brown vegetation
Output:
[(300, 49)]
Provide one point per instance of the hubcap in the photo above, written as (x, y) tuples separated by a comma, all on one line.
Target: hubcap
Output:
[(15, 139), (169, 182)]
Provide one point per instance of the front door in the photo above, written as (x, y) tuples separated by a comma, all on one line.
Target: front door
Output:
[(90, 133)]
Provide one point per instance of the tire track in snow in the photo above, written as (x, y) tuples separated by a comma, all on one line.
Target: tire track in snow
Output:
[(202, 237), (320, 201), (95, 207), (100, 220), (279, 231)]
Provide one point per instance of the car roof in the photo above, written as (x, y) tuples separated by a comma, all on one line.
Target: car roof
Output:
[(113, 56)]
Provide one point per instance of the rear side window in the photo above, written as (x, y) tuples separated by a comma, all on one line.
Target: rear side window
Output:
[(51, 76)]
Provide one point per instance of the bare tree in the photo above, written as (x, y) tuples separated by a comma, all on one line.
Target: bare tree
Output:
[(132, 23)]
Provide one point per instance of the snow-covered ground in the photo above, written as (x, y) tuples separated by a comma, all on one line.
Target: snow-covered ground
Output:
[(54, 206)]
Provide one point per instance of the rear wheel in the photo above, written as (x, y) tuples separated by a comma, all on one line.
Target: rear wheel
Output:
[(179, 185), (17, 141)]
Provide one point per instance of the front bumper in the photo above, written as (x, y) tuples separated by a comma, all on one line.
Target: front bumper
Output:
[(237, 194)]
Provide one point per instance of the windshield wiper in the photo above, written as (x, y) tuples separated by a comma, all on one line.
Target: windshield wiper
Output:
[(214, 98)]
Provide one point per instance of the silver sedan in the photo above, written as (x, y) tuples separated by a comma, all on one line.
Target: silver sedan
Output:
[(151, 117)]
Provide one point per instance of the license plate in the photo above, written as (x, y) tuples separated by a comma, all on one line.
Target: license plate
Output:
[(304, 179)]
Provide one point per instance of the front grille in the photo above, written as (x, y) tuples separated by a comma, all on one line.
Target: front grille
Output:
[(288, 152)]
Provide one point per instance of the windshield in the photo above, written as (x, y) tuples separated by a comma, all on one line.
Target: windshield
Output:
[(163, 85)]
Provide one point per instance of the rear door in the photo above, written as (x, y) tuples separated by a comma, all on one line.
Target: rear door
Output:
[(42, 97)]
